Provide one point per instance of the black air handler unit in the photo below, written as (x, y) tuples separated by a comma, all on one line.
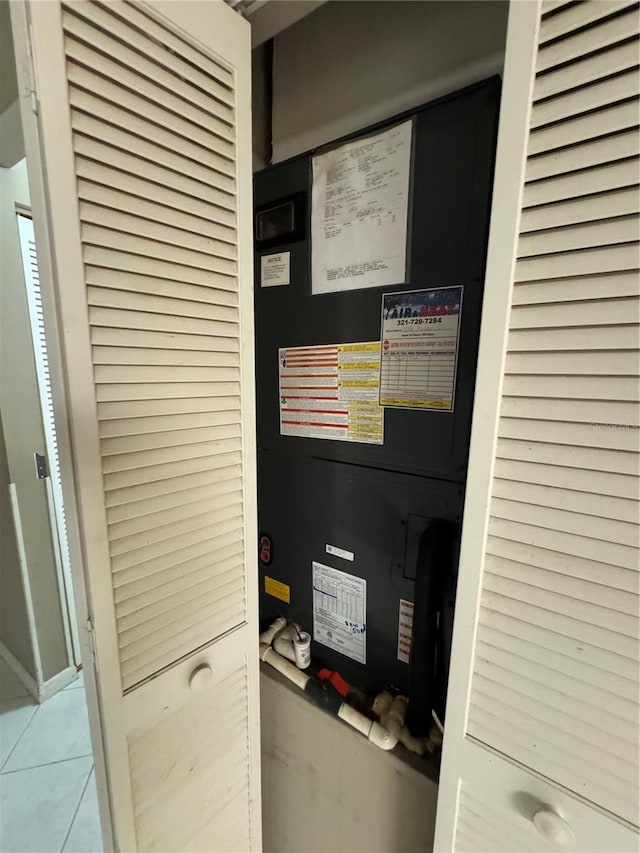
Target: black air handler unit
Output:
[(397, 507)]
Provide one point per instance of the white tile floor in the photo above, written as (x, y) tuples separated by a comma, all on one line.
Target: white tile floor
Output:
[(47, 788)]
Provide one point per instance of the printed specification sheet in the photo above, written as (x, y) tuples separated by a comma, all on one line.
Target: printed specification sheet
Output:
[(420, 330), (331, 392), (340, 611), (359, 212)]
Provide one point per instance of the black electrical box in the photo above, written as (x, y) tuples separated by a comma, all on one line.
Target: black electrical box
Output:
[(390, 513)]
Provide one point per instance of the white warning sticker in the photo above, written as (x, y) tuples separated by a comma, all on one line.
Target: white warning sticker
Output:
[(275, 270), (405, 630), (340, 552), (331, 392), (340, 611)]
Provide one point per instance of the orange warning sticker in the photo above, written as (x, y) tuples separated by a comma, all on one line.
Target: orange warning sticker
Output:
[(277, 589), (405, 630)]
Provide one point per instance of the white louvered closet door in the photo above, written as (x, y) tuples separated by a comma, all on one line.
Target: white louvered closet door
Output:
[(144, 136), (553, 668)]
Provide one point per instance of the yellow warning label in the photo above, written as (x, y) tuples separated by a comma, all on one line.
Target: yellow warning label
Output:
[(360, 365), (372, 347), (415, 404), (277, 589)]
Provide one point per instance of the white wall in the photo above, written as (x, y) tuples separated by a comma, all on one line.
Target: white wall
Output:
[(23, 431), (14, 619), (11, 141), (350, 64), (325, 789)]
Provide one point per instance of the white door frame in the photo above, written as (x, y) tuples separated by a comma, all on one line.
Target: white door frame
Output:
[(55, 501)]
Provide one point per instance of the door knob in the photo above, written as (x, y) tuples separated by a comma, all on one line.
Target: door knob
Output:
[(552, 827), (200, 676)]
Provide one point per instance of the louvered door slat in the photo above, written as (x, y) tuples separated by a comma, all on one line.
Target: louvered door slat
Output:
[(616, 365), (582, 420), (621, 668), (583, 156), (156, 231), (576, 290), (607, 507), (104, 175), (571, 387), (593, 67), (583, 209), (619, 311), (97, 57), (210, 577), (592, 97), (150, 151), (187, 51), (604, 178), (154, 172), (591, 39), (603, 233), (617, 117), (150, 213), (568, 455), (215, 308), (147, 125), (85, 80), (216, 83), (206, 552), (587, 337), (590, 261), (217, 468), (618, 485), (118, 57), (142, 321), (575, 17)]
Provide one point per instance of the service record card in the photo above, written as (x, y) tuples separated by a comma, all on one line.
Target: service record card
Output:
[(420, 330)]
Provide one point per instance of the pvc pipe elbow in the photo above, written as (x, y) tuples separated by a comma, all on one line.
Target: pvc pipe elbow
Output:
[(288, 669), (263, 648), (268, 635), (381, 737), (394, 719), (283, 644)]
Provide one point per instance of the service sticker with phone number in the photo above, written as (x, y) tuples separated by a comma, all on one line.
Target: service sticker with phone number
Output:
[(419, 353)]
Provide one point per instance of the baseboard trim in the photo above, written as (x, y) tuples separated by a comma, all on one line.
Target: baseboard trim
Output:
[(40, 692), (57, 683), (24, 677)]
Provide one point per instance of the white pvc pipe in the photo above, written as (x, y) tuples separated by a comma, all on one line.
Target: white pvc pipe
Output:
[(374, 732), (268, 635), (288, 669), (355, 718)]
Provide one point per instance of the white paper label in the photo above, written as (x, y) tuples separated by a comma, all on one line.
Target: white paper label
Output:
[(340, 552), (340, 611), (331, 392), (405, 630), (275, 269), (359, 207), (419, 336)]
